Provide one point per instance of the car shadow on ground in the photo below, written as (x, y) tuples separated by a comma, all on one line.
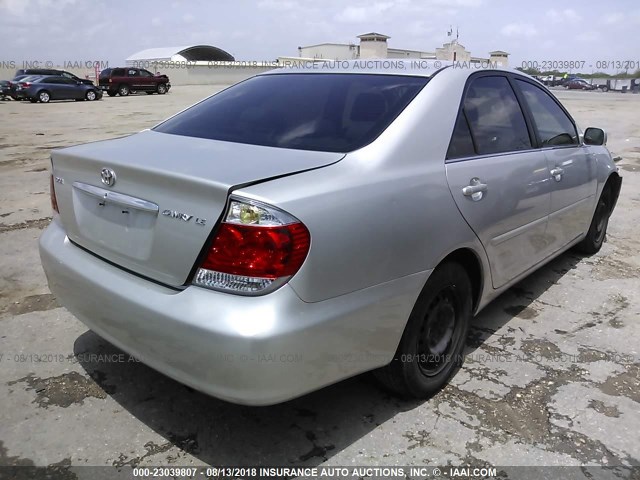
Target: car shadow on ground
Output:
[(305, 431)]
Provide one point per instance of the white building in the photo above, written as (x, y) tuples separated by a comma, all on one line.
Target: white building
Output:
[(374, 45), (193, 53)]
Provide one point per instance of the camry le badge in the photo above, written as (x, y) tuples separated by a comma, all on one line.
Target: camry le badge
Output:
[(108, 177), (184, 217)]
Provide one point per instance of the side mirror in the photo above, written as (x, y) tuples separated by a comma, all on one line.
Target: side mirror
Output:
[(595, 136)]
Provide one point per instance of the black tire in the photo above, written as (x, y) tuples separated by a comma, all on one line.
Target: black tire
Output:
[(112, 93), (33, 100), (123, 90), (44, 96), (432, 345), (91, 95), (597, 233), (149, 93), (162, 88)]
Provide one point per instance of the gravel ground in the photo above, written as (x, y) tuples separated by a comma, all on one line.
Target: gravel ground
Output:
[(552, 375)]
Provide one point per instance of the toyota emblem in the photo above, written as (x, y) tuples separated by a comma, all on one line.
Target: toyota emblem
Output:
[(108, 177)]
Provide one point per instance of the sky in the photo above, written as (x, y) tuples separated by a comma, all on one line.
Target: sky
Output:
[(111, 30)]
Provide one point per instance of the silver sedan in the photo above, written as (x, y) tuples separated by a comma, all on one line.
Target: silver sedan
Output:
[(302, 227)]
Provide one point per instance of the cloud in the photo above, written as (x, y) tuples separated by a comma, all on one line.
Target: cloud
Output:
[(363, 14), (519, 30), (14, 7), (567, 15), (278, 5), (589, 36), (188, 18), (613, 18), (156, 22)]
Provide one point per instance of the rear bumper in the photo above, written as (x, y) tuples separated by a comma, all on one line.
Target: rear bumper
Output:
[(248, 350)]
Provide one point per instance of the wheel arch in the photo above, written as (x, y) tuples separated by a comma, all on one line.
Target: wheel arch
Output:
[(614, 182), (470, 261)]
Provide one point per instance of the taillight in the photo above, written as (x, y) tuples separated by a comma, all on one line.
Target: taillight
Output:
[(26, 85), (257, 249), (54, 200)]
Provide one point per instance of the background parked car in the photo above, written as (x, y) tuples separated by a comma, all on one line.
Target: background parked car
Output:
[(13, 83), (123, 81), (579, 84), (53, 71), (5, 89), (17, 85), (44, 89)]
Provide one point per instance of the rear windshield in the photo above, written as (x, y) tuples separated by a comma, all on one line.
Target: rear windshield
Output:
[(324, 112)]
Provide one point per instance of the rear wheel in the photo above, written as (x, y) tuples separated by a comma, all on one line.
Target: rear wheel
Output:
[(162, 89), (44, 96), (123, 90), (598, 229), (431, 348)]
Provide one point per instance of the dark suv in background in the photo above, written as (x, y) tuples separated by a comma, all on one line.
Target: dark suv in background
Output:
[(124, 81), (52, 71)]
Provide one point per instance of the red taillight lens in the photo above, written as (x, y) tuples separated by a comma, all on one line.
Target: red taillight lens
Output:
[(26, 85), (54, 200), (256, 249)]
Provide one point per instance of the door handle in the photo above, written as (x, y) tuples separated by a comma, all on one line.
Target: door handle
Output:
[(556, 173), (475, 189)]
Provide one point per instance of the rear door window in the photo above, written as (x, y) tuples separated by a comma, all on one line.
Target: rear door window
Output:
[(461, 141), (553, 125), (323, 112), (495, 118)]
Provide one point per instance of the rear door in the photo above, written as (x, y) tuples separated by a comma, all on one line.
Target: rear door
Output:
[(499, 181), (572, 168)]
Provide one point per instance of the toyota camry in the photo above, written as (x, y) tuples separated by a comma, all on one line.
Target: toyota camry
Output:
[(300, 228)]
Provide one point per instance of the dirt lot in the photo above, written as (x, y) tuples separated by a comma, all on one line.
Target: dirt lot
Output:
[(552, 375)]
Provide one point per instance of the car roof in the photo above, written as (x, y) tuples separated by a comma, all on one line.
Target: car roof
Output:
[(382, 66)]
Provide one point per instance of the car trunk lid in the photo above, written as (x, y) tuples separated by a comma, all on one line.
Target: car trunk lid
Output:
[(167, 193)]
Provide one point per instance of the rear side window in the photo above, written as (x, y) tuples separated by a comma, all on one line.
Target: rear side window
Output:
[(496, 121), (117, 72), (553, 125), (461, 142), (323, 112)]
